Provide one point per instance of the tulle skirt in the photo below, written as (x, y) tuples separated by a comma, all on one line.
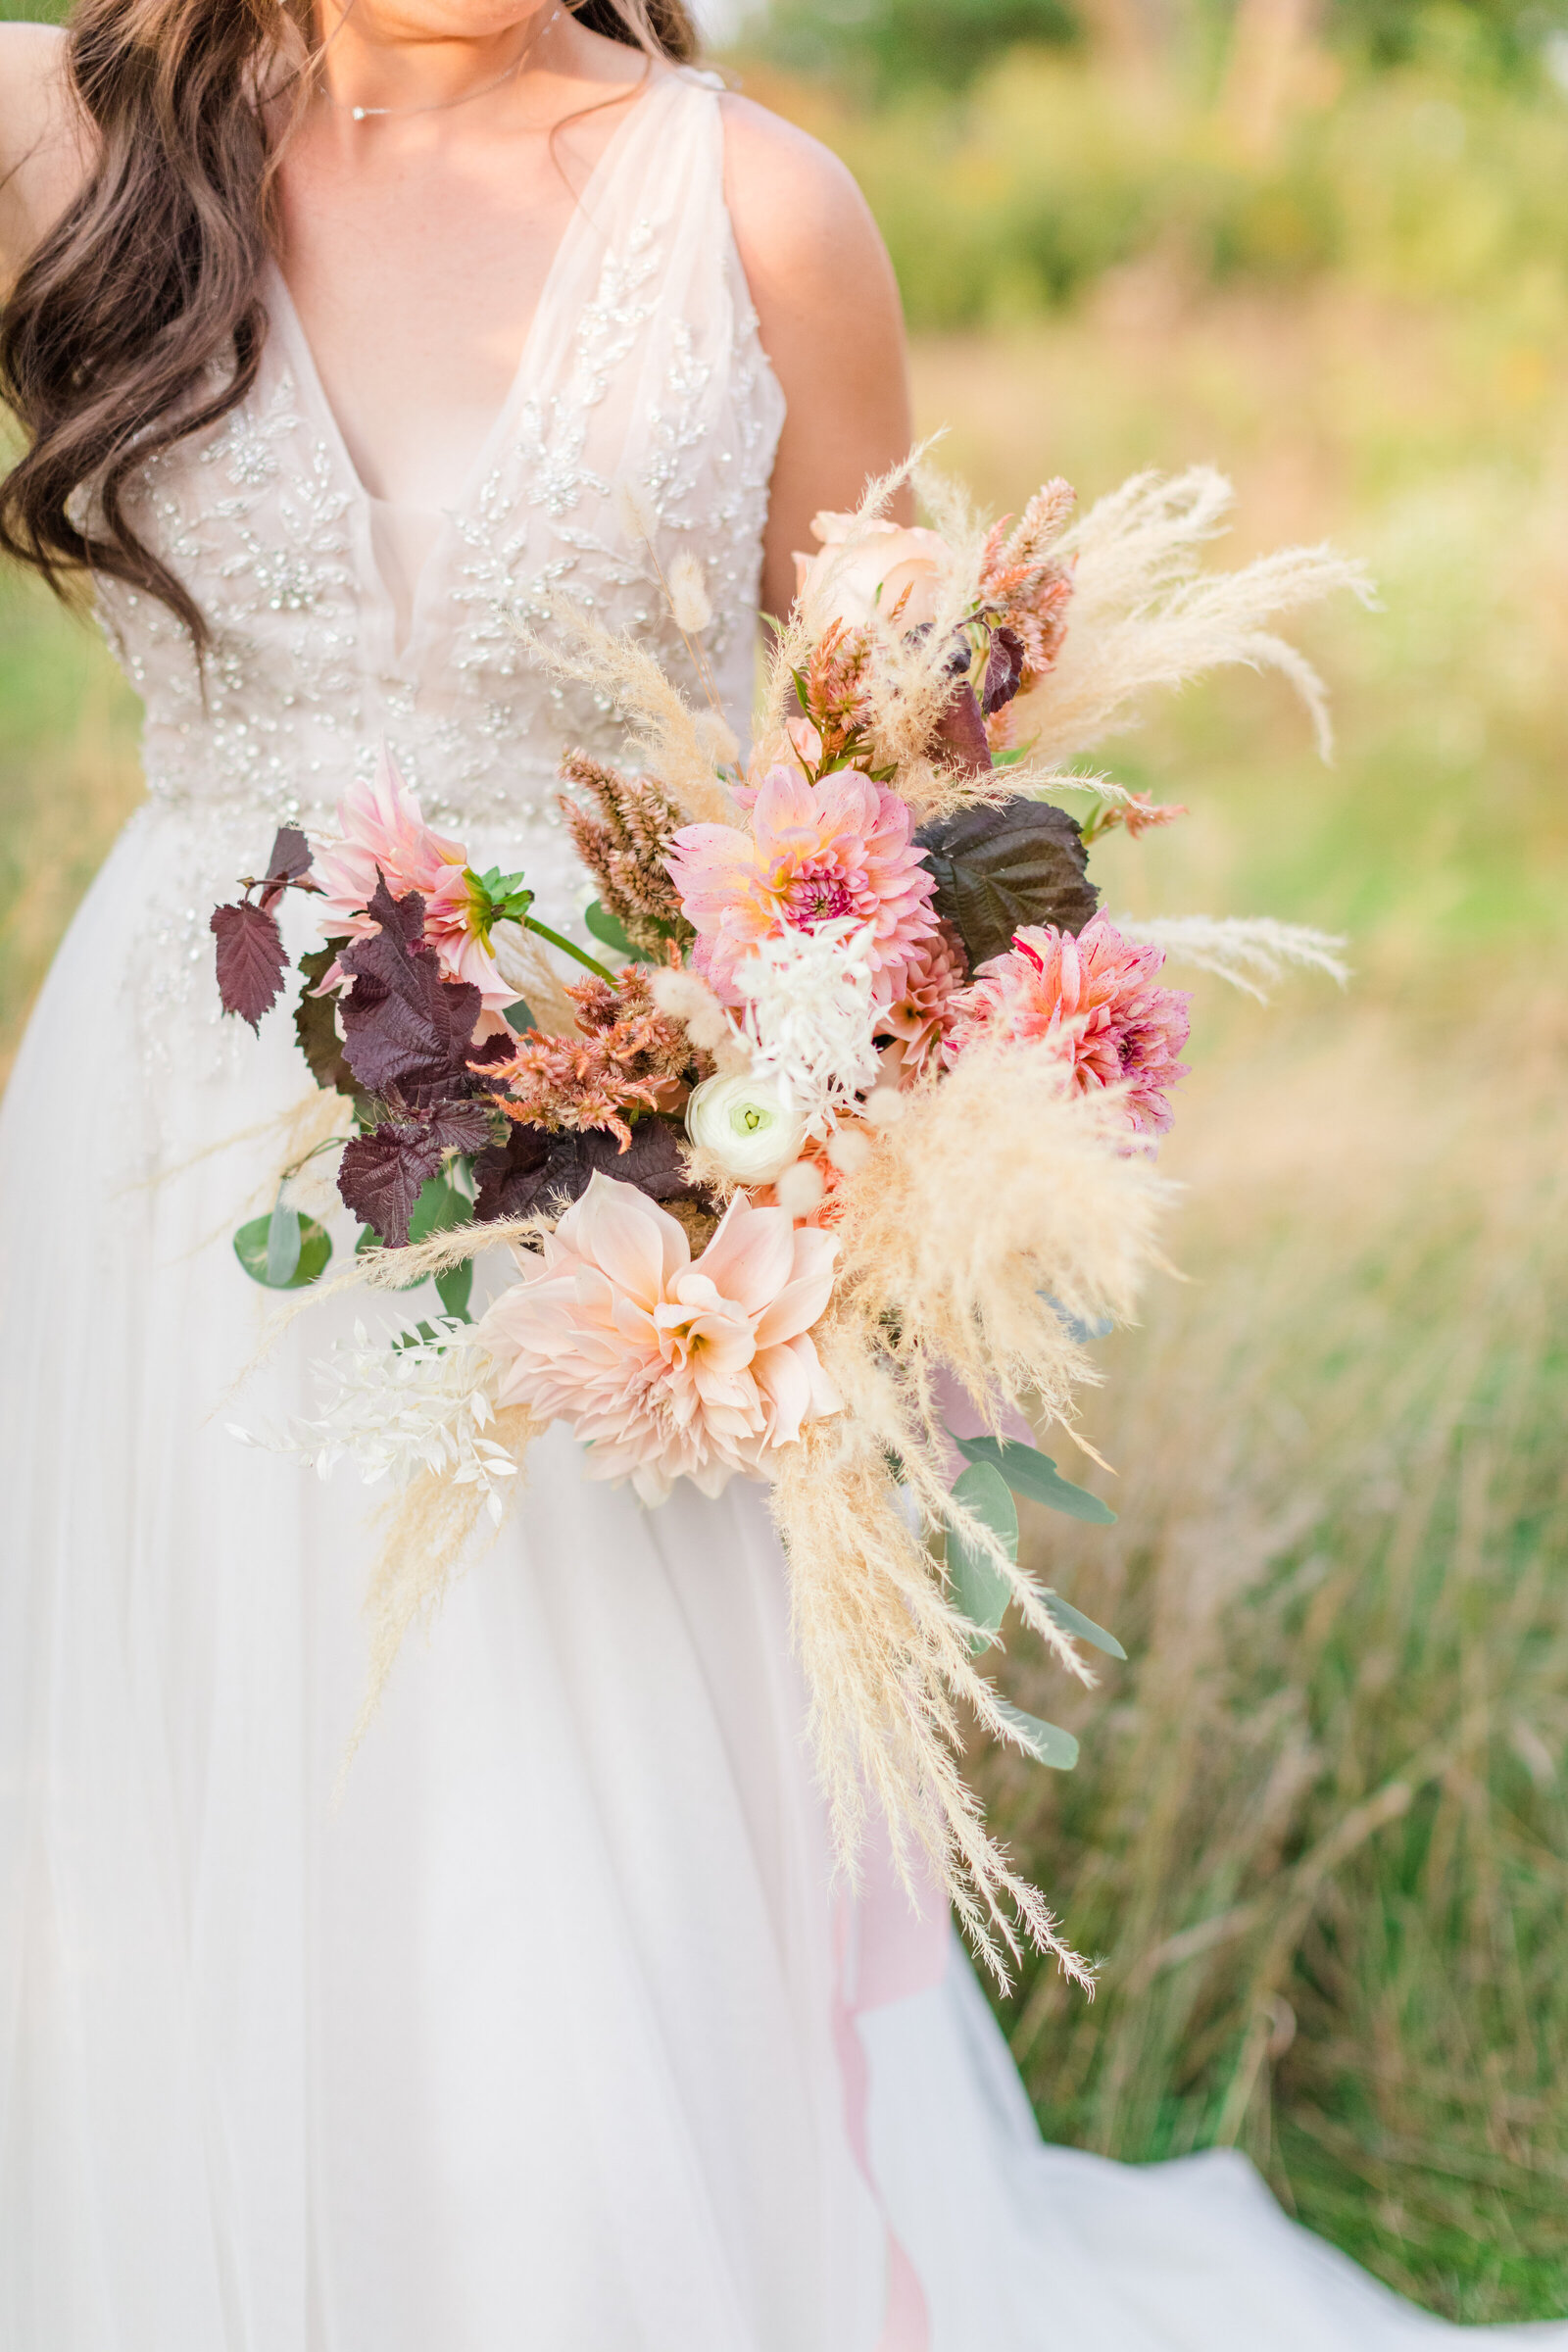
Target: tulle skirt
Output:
[(536, 2026)]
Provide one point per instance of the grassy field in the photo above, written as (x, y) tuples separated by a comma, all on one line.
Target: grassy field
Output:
[(1320, 1830)]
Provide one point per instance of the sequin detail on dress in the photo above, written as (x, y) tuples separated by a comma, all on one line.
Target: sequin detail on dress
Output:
[(644, 366)]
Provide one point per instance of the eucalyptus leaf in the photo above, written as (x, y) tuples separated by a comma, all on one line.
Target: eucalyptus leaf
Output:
[(314, 1252), (1034, 1474), (979, 1588), (1083, 1629), (282, 1245), (1046, 1743)]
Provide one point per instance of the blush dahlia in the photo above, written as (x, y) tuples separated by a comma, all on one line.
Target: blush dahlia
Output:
[(1094, 996), (808, 853)]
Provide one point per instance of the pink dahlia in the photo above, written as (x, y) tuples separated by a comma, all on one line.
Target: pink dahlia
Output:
[(921, 1013), (1095, 995), (809, 855), (384, 831), (666, 1368)]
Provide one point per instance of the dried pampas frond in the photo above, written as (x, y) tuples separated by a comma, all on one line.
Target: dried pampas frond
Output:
[(887, 1662), (524, 963), (427, 1533), (1245, 950), (1144, 616), (664, 731), (1060, 1231), (1058, 1236)]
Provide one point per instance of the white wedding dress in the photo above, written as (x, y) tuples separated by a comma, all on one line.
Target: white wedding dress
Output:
[(549, 2035)]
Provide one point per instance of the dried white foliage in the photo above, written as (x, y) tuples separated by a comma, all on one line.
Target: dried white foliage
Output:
[(808, 1018)]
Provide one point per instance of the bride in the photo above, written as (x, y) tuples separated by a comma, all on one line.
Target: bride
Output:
[(342, 343)]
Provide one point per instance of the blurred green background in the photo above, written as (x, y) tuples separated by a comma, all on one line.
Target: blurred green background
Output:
[(1319, 1835)]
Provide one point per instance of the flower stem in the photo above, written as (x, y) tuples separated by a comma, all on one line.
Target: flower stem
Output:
[(567, 947)]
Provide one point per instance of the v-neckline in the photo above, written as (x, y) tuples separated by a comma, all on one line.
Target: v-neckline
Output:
[(284, 313)]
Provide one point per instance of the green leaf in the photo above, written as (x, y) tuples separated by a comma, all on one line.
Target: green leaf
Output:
[(979, 1588), (608, 927), (520, 1017), (454, 1289), (1033, 1474), (1046, 1743), (314, 1250), (441, 1206), (282, 1245), (1083, 1629)]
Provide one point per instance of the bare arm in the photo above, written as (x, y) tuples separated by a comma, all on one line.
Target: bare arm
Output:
[(831, 323), (42, 147)]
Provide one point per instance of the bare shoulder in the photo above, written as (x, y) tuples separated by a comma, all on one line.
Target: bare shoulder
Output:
[(801, 221), (43, 142)]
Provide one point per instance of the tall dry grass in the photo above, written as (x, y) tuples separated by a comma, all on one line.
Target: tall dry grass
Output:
[(1319, 1830)]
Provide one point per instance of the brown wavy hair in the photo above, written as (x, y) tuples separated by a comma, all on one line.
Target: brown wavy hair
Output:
[(138, 319)]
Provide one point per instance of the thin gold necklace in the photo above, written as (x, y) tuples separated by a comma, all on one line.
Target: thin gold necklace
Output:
[(442, 106)]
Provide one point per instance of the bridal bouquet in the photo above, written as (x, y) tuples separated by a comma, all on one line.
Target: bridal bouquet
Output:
[(846, 1137)]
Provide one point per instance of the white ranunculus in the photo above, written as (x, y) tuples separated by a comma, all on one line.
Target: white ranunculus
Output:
[(749, 1124)]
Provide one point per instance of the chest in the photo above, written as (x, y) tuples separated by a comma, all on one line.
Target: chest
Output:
[(418, 261)]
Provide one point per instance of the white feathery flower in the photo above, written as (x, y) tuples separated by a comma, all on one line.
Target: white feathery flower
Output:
[(808, 1016), (407, 1405)]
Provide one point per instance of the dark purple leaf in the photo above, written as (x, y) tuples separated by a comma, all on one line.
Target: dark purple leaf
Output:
[(381, 1175), (960, 734), (1003, 670), (534, 1170), (289, 862), (250, 959), (403, 1025), (316, 1026), (462, 1126), (998, 869)]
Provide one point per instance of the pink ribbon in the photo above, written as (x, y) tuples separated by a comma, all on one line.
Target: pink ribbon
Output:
[(886, 1948)]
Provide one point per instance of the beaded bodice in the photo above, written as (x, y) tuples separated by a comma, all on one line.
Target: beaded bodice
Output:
[(642, 372)]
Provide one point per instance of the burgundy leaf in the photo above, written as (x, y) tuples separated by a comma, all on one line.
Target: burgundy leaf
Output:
[(960, 733), (1003, 670), (381, 1175), (251, 961), (315, 1024), (996, 869), (535, 1171), (462, 1126), (403, 1025), (289, 862)]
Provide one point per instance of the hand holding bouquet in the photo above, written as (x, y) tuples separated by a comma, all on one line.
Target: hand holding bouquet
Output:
[(850, 1138)]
